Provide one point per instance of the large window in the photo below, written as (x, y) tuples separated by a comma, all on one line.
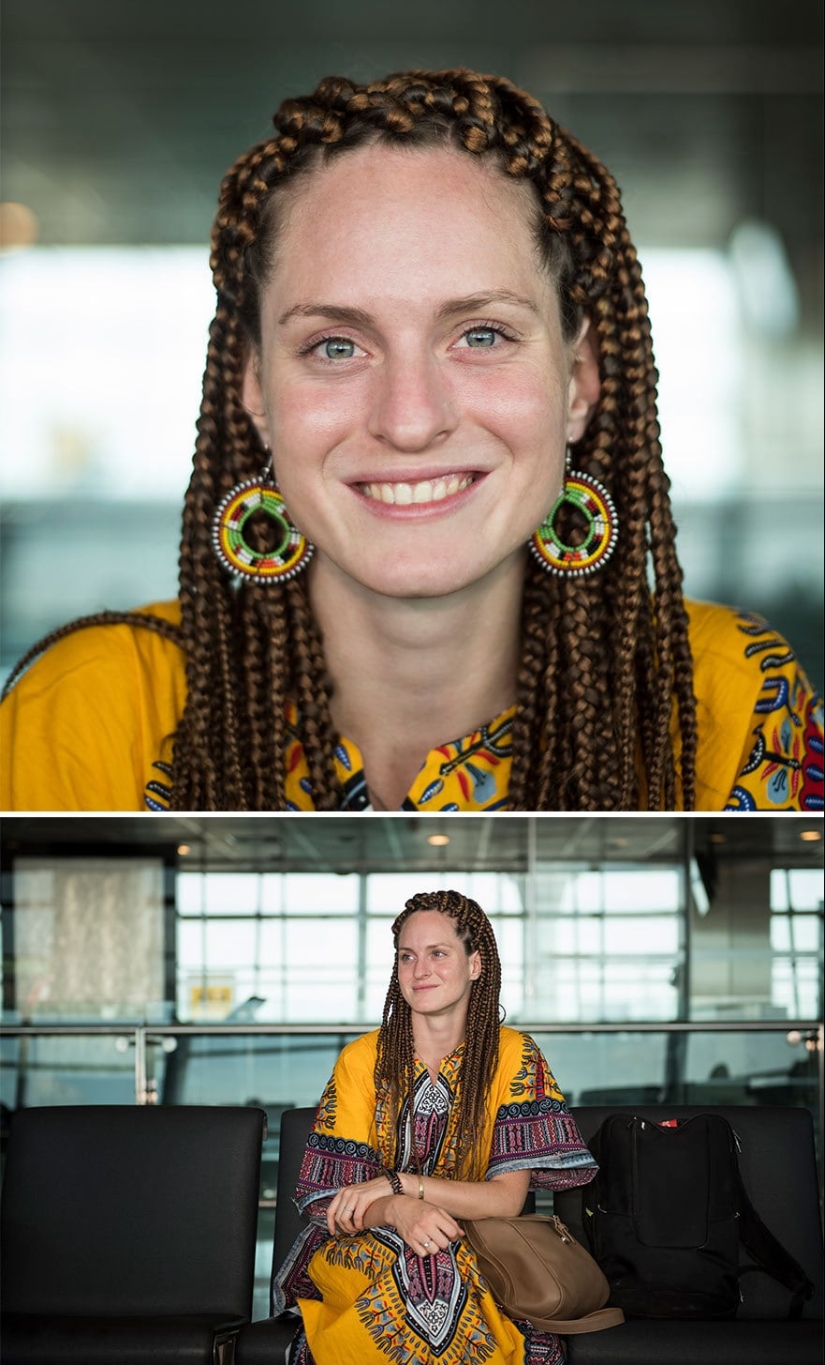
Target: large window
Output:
[(796, 941), (596, 921)]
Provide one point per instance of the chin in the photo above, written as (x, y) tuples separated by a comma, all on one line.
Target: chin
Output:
[(415, 581)]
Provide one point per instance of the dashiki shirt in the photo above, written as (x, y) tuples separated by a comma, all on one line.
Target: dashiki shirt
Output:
[(368, 1299), (91, 726)]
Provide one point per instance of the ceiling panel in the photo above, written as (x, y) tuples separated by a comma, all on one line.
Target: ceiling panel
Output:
[(120, 119), (399, 842)]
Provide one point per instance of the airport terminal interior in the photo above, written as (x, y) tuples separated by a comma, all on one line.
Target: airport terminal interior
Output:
[(227, 959)]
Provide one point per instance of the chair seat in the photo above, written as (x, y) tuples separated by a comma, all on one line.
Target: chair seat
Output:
[(27, 1338), (266, 1342), (742, 1342)]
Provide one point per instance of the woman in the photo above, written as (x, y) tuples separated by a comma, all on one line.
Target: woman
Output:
[(430, 364), (440, 1115)]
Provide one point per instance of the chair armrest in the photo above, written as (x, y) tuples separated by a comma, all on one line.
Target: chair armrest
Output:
[(266, 1342)]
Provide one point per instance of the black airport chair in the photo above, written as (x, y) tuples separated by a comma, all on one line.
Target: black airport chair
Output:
[(128, 1234), (267, 1342)]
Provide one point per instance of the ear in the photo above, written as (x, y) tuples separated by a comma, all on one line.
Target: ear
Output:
[(475, 966), (252, 395), (585, 383)]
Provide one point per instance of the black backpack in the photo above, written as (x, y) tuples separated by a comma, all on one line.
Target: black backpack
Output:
[(665, 1217)]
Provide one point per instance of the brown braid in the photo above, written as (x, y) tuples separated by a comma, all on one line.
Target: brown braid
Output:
[(605, 660), (395, 1062)]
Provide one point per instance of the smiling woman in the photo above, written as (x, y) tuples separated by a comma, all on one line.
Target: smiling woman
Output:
[(428, 556), (441, 1114)]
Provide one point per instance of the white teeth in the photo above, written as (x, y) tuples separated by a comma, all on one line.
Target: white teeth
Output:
[(428, 490)]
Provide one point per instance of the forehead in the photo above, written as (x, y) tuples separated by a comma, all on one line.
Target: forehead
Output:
[(406, 220), (426, 927)]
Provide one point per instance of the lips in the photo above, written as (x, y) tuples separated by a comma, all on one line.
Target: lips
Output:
[(423, 491)]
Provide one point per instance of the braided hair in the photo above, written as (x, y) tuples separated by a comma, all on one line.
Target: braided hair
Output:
[(395, 1061), (605, 665)]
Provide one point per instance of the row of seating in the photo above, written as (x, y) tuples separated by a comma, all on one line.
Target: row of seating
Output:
[(128, 1237)]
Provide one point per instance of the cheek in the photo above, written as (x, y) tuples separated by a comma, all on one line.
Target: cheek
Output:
[(522, 405), (310, 418)]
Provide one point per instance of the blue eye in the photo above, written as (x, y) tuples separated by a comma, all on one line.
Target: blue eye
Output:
[(338, 348), (482, 336)]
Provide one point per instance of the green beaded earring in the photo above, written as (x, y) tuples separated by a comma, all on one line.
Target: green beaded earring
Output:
[(290, 552), (592, 500)]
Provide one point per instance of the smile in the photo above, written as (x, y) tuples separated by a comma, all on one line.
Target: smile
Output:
[(428, 490)]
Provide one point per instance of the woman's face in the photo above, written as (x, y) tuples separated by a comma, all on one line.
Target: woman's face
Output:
[(435, 971), (412, 381)]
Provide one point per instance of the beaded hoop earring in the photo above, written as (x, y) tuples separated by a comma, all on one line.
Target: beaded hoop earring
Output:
[(594, 502), (291, 552)]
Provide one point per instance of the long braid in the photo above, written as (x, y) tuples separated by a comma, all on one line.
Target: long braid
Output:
[(605, 661), (166, 629), (395, 1061)]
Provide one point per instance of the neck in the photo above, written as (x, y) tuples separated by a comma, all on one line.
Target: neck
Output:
[(436, 1038), (410, 674)]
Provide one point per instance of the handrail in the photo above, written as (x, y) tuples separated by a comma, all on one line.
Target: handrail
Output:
[(811, 1031)]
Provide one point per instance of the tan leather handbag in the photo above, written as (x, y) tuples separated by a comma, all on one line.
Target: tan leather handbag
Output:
[(535, 1269)]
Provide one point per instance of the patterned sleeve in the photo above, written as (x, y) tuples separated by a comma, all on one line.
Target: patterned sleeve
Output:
[(340, 1149), (781, 767), (339, 1152), (534, 1129)]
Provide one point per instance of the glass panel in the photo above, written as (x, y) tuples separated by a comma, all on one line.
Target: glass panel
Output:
[(797, 888), (320, 893), (66, 1070), (496, 892)]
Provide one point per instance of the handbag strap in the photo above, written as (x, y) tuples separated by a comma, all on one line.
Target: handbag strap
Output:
[(592, 1322)]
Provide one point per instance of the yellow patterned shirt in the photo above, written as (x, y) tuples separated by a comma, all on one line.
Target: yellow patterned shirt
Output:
[(91, 726)]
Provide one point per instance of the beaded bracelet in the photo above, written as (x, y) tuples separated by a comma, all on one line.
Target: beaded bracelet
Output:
[(395, 1181)]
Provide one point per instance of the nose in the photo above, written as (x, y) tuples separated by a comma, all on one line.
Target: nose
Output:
[(422, 968), (413, 408)]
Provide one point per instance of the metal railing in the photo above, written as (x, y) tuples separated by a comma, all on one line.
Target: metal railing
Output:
[(142, 1037)]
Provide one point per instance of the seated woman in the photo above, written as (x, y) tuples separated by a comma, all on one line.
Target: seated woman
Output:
[(440, 1115), (428, 555)]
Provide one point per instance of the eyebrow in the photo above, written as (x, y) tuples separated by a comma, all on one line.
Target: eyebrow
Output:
[(427, 947), (359, 318)]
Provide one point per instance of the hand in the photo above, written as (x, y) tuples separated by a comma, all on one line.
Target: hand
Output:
[(425, 1227), (346, 1210)]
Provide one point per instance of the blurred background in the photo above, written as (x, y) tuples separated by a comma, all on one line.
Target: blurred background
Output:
[(120, 120), (227, 959)]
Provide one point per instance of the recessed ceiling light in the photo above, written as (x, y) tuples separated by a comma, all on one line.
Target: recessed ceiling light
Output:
[(438, 840), (810, 836), (183, 849), (718, 839)]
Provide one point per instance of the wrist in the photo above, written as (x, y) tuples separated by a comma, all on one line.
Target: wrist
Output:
[(413, 1185)]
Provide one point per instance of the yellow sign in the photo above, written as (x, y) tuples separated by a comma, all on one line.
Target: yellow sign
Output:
[(212, 1000)]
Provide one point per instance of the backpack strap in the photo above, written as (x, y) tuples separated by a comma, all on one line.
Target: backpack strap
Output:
[(769, 1252)]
